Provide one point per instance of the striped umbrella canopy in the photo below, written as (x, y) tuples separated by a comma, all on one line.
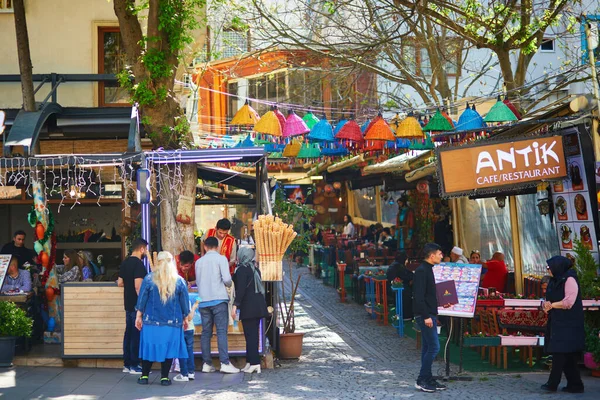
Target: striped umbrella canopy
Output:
[(269, 125), (245, 116), (310, 119), (294, 125), (379, 130), (321, 132)]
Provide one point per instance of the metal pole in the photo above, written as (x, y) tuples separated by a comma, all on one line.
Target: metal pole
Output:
[(516, 243)]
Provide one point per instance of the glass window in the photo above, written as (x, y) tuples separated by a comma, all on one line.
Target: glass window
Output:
[(389, 208), (424, 62), (233, 43), (111, 61), (537, 235), (6, 6), (366, 203), (547, 45), (232, 101)]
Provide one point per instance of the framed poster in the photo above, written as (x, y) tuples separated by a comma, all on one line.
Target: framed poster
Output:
[(466, 277), (4, 263)]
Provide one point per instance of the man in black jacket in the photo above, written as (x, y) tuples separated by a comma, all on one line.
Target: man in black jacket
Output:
[(425, 308)]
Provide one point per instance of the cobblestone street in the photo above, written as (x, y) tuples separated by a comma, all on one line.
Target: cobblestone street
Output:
[(346, 356)]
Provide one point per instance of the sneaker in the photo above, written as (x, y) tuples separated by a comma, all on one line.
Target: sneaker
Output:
[(135, 370), (165, 382), (208, 368), (181, 378), (548, 388), (425, 387), (143, 380), (437, 385), (192, 376), (229, 369), (126, 370)]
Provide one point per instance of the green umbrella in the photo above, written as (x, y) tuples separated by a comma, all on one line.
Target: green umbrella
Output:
[(310, 120), (500, 113), (309, 150), (438, 123), (426, 144)]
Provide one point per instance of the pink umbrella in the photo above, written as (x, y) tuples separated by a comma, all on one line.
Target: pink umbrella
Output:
[(294, 125)]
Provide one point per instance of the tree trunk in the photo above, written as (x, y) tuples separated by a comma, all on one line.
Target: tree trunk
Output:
[(176, 237), (506, 68), (25, 66)]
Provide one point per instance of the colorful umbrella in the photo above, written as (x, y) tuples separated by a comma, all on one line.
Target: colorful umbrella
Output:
[(294, 125), (292, 149), (245, 116), (426, 144), (269, 125), (512, 107), (339, 126), (280, 117), (469, 119), (409, 128), (365, 125), (379, 130), (309, 150), (438, 123), (350, 132), (310, 119), (321, 132), (247, 142), (500, 113)]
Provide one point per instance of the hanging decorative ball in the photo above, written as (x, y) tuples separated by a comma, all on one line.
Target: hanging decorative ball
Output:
[(44, 259), (39, 231), (328, 189), (38, 247), (50, 294), (337, 185)]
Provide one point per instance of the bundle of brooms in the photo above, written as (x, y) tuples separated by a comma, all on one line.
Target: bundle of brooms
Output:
[(272, 237)]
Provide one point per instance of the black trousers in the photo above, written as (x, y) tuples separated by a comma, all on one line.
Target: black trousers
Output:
[(165, 367), (251, 326), (567, 363)]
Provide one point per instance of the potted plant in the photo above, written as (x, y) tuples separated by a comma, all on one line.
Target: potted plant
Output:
[(290, 341), (14, 323)]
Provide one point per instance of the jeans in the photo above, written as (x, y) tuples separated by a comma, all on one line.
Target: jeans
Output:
[(186, 365), (429, 348), (131, 341), (216, 315), (251, 326), (567, 363)]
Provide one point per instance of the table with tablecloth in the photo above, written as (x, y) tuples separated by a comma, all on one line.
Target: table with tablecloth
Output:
[(522, 320)]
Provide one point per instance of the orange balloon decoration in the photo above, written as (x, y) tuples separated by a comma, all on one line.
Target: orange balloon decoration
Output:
[(44, 259), (50, 294), (39, 231)]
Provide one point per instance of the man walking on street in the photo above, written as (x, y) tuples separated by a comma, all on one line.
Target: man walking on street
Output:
[(212, 276), (425, 309), (131, 275)]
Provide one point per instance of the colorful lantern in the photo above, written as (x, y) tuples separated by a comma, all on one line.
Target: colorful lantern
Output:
[(339, 126), (322, 132), (39, 231), (438, 123), (269, 125), (365, 126), (292, 149), (280, 117), (512, 107), (310, 119), (500, 113), (409, 128), (309, 150), (379, 130), (294, 125), (245, 116), (469, 120), (350, 132)]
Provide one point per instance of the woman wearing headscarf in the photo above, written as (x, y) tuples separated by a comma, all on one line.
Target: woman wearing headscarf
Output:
[(163, 304), (250, 300), (565, 336)]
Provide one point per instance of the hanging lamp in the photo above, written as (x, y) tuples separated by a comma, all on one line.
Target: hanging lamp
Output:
[(379, 130), (269, 125), (365, 125), (409, 128), (438, 123), (294, 125), (500, 113), (321, 132), (292, 148), (469, 120), (310, 119), (245, 116), (247, 142), (339, 126), (309, 150), (279, 116), (350, 132)]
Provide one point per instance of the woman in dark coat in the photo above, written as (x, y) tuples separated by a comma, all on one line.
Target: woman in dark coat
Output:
[(565, 335), (250, 300), (398, 270)]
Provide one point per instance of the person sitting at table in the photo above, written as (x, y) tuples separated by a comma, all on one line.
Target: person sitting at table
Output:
[(497, 273), (457, 256), (475, 257), (386, 239), (87, 270), (348, 226), (16, 279), (398, 270), (370, 235), (186, 260), (17, 248), (72, 270)]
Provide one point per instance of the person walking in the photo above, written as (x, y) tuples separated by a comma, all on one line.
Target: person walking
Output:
[(162, 308), (131, 274), (250, 300), (212, 278), (425, 308), (565, 334)]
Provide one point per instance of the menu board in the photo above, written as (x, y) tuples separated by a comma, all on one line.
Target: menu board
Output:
[(572, 206), (466, 277), (4, 263)]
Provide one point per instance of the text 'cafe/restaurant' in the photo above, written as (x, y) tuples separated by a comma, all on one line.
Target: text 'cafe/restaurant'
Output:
[(510, 195)]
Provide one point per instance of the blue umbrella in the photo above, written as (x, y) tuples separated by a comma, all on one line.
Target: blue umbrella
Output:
[(469, 119), (364, 126), (321, 132)]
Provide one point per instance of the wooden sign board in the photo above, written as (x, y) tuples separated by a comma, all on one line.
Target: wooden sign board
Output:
[(501, 165)]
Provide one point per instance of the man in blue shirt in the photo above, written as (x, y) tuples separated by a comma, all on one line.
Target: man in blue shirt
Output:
[(16, 279), (212, 278)]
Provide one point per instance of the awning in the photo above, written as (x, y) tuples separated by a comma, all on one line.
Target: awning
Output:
[(397, 164)]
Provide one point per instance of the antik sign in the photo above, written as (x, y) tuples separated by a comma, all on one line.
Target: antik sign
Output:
[(509, 164)]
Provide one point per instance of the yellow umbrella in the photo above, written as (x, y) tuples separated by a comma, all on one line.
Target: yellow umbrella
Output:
[(245, 116), (268, 124), (409, 128)]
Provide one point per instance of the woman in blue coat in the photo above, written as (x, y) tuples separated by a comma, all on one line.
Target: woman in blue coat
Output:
[(162, 307)]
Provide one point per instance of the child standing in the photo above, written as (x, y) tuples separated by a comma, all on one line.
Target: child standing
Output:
[(187, 366)]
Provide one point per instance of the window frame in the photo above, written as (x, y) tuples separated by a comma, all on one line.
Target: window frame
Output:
[(5, 9), (415, 49), (101, 85), (546, 40)]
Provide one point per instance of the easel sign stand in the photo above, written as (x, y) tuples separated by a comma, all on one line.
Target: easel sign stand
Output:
[(466, 278)]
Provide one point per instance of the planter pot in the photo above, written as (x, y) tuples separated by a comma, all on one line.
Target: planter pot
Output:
[(290, 345), (7, 350), (522, 303), (588, 360), (476, 341), (341, 267), (519, 340)]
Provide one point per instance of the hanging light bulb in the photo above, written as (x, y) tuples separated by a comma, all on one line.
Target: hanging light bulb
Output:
[(340, 199), (72, 192)]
